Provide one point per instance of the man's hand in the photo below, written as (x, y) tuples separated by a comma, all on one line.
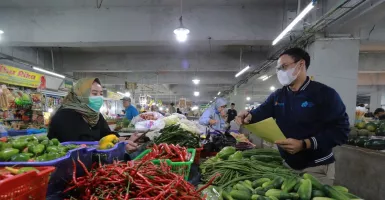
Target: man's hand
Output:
[(290, 145), (212, 121), (243, 117)]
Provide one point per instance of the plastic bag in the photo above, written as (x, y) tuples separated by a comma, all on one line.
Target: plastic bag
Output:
[(213, 193), (150, 125), (146, 116)]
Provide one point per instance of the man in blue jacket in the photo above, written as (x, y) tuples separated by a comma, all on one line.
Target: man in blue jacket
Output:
[(131, 111), (310, 114)]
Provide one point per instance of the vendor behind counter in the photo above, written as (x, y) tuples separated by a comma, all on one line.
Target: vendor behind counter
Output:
[(78, 118), (215, 115)]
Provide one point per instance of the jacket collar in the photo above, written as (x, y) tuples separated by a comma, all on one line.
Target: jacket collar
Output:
[(303, 87)]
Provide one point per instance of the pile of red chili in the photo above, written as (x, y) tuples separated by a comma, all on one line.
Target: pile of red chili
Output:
[(140, 180), (168, 151)]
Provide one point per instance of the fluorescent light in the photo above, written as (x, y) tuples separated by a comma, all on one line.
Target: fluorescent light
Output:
[(161, 108), (215, 97), (50, 110), (267, 77), (211, 101), (196, 81), (194, 108), (246, 108), (120, 93), (127, 94), (219, 93), (196, 93), (272, 88), (248, 98), (242, 71), (48, 72), (263, 77), (294, 22), (1, 32)]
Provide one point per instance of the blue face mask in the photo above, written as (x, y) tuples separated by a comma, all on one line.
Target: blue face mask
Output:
[(95, 102)]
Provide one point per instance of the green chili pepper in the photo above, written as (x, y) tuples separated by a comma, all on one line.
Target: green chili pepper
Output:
[(19, 144), (21, 157), (42, 138), (38, 149), (55, 141), (52, 149), (6, 154)]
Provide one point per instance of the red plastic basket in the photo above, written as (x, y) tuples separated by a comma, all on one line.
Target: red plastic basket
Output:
[(197, 155), (31, 185)]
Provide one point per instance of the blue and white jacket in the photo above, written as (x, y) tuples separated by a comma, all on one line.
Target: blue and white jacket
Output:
[(314, 112)]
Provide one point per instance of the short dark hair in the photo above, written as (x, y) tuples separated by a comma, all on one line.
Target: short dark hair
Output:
[(378, 110), (233, 104), (172, 104), (298, 54)]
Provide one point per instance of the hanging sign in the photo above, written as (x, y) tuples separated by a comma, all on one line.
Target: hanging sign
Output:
[(68, 84), (21, 77)]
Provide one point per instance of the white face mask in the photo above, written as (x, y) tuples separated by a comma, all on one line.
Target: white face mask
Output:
[(287, 77)]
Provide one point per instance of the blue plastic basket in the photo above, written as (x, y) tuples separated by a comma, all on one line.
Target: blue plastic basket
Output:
[(106, 156), (17, 132), (64, 168)]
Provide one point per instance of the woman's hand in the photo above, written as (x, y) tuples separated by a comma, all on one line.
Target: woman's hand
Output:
[(131, 143), (212, 121)]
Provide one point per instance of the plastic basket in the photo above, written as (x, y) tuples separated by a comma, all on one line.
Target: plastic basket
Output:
[(17, 133), (64, 168), (30, 185), (181, 168), (106, 156)]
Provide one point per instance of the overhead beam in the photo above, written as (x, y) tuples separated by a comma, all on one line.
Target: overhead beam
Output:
[(138, 25)]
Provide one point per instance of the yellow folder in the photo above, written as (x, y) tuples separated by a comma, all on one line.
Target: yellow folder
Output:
[(266, 129)]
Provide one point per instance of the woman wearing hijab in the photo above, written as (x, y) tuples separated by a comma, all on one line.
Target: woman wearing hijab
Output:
[(78, 118), (215, 115)]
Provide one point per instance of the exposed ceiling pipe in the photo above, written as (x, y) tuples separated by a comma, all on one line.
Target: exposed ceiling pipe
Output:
[(299, 7), (52, 60)]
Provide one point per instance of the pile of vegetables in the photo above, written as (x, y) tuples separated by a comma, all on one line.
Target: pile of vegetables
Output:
[(175, 135), (107, 142), (273, 187), (132, 180), (368, 135), (165, 151), (9, 172), (31, 148), (232, 165)]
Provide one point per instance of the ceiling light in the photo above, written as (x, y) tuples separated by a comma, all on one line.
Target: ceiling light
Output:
[(211, 101), (120, 93), (127, 94), (272, 88), (181, 32), (215, 97), (248, 98), (161, 108), (48, 72), (294, 22), (50, 110), (1, 32), (196, 93), (219, 93), (267, 77), (242, 71), (263, 77), (246, 108), (196, 81), (194, 108)]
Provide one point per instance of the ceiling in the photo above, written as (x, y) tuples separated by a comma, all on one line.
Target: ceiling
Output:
[(132, 40)]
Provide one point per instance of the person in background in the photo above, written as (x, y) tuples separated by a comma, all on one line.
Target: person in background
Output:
[(78, 118), (215, 115), (171, 108), (378, 113), (131, 111), (231, 113), (178, 111), (310, 114)]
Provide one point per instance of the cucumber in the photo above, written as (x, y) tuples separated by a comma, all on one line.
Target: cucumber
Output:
[(322, 198), (289, 184), (240, 195), (240, 186), (296, 187), (265, 184), (259, 182), (340, 188), (294, 196), (278, 194), (273, 198), (305, 189), (318, 193), (226, 195), (350, 195), (277, 182), (255, 197), (316, 184), (333, 193), (246, 185)]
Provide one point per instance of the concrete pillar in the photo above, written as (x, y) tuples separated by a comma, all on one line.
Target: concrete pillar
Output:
[(334, 62), (375, 100), (239, 99)]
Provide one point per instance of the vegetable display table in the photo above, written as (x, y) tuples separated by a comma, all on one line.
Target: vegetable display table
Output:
[(361, 170)]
